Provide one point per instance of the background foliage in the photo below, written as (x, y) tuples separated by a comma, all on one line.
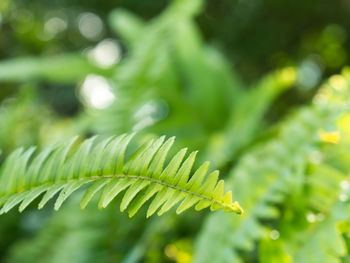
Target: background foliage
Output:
[(261, 88)]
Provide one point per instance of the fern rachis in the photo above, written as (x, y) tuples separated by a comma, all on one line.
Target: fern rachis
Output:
[(102, 167)]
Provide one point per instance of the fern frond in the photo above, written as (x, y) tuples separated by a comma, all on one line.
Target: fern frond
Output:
[(277, 171), (325, 200), (103, 167), (321, 225), (69, 234), (324, 231), (265, 177)]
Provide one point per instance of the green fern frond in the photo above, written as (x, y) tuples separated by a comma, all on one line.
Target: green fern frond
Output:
[(324, 219), (277, 171), (262, 181), (103, 167), (324, 231)]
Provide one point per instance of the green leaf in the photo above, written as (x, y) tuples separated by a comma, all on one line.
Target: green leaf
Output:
[(102, 166)]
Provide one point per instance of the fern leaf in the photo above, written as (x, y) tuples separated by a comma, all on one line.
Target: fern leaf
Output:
[(101, 166), (262, 180), (277, 171)]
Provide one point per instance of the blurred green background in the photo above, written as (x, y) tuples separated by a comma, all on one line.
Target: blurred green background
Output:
[(224, 77)]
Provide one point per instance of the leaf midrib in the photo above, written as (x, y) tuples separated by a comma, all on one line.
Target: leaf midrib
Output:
[(125, 176)]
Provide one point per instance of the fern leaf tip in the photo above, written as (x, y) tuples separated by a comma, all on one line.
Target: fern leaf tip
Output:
[(235, 207)]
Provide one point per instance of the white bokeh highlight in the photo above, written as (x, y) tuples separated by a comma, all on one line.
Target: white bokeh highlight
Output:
[(96, 92)]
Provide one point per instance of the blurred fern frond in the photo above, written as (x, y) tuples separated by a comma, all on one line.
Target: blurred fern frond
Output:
[(319, 220), (102, 165), (276, 175), (269, 172), (313, 228), (65, 68)]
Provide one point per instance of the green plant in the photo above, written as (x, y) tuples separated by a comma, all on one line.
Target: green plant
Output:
[(103, 166), (283, 184), (286, 161)]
